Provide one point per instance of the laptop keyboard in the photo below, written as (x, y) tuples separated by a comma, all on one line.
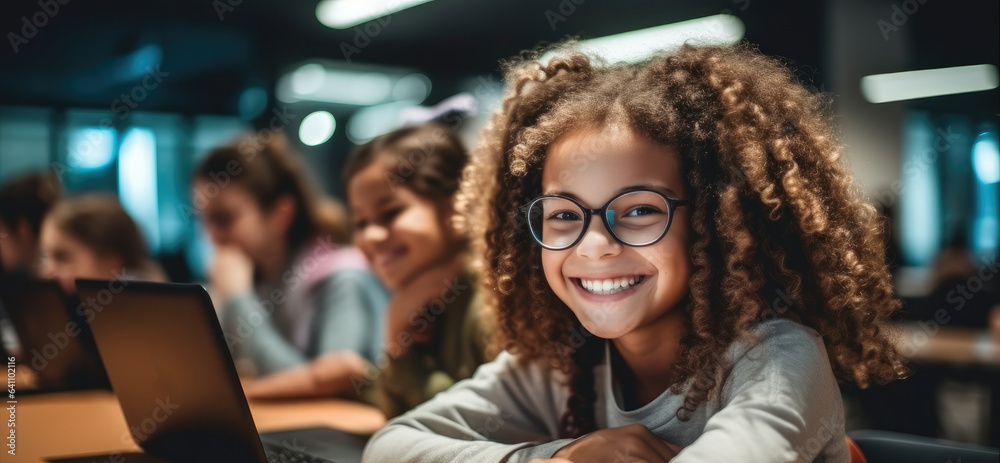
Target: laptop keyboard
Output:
[(283, 454)]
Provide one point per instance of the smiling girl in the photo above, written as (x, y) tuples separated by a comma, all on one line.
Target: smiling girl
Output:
[(637, 222), (402, 188)]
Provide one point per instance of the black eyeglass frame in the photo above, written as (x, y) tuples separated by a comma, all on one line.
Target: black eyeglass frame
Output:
[(672, 205)]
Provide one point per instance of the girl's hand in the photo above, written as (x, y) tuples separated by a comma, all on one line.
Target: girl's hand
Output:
[(231, 272), (632, 443), (407, 301)]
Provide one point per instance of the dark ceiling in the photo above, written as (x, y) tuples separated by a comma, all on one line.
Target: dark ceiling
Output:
[(215, 49)]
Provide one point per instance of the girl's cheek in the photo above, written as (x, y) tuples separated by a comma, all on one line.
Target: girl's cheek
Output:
[(552, 266)]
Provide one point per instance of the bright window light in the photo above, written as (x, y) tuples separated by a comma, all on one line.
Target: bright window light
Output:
[(986, 163), (986, 159), (920, 214), (137, 182), (317, 128), (639, 45), (90, 148), (342, 14), (882, 88)]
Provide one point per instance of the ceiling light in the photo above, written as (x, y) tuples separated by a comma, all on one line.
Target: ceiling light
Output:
[(639, 45), (342, 14), (353, 84), (317, 128), (882, 88)]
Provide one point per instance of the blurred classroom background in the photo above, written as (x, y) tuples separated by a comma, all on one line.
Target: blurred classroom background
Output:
[(126, 97)]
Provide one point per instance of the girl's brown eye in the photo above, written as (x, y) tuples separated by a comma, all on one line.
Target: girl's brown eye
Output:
[(387, 216), (221, 220)]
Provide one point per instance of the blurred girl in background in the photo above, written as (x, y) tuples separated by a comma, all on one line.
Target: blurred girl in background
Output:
[(91, 236), (290, 290), (24, 201), (401, 188)]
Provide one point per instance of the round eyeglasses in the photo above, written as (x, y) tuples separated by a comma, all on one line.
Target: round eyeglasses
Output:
[(635, 218)]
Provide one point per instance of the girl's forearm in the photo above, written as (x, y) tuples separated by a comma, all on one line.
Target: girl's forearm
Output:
[(326, 376)]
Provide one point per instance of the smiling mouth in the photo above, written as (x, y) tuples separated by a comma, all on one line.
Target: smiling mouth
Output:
[(386, 258), (609, 286)]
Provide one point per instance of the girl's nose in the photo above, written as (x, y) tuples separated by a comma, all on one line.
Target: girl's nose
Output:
[(597, 242), (374, 234), (47, 268)]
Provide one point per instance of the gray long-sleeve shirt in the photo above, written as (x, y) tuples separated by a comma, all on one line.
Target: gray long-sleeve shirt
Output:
[(344, 311), (779, 403)]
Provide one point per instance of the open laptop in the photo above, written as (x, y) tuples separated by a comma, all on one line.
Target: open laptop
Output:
[(55, 340), (176, 382)]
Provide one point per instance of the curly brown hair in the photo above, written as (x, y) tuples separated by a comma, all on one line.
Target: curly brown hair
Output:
[(775, 208)]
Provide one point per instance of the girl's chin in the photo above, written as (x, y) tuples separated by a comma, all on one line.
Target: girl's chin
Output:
[(604, 328), (395, 279)]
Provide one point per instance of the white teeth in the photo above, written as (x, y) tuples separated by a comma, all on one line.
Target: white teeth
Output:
[(608, 285)]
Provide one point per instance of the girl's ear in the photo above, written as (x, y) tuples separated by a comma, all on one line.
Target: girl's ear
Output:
[(283, 212), (449, 224)]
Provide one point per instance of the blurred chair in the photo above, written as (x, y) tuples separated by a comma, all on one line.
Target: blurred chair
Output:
[(891, 447)]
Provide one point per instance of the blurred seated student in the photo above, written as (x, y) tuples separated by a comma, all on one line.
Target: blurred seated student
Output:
[(401, 187), (91, 236), (954, 326), (955, 317), (966, 302), (24, 201), (290, 289)]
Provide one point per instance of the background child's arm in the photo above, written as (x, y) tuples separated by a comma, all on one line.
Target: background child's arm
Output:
[(781, 403), (505, 412)]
